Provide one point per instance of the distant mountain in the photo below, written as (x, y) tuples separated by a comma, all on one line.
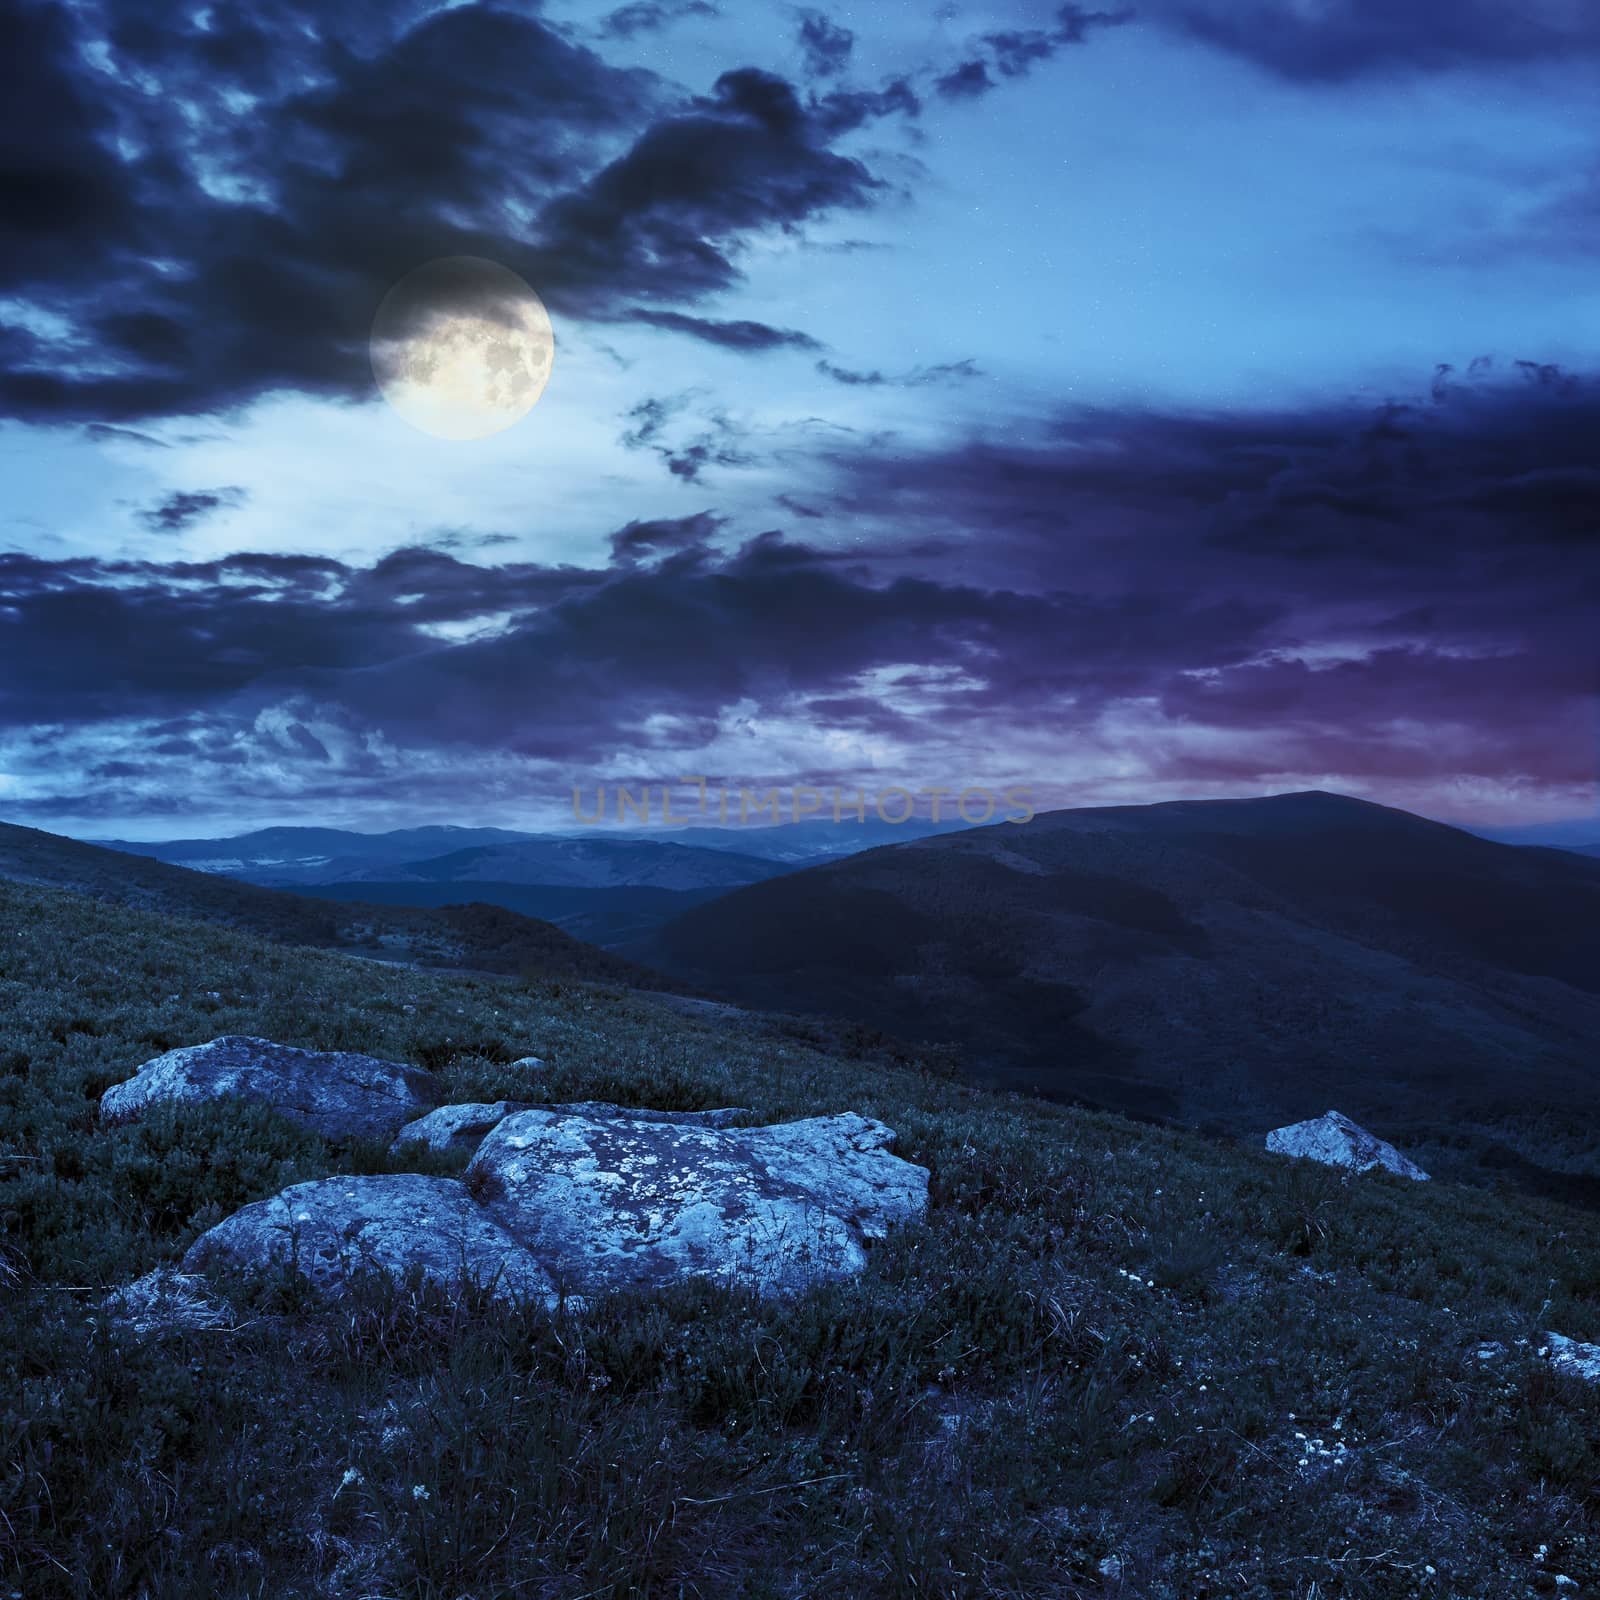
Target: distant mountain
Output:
[(310, 855), (591, 862), (1582, 835), (608, 886), (812, 840), (480, 936), (1240, 962), (600, 858)]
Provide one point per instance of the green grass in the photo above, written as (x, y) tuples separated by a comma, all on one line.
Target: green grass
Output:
[(998, 1405)]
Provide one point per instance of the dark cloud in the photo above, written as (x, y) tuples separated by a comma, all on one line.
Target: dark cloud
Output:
[(104, 433), (659, 536), (183, 508), (651, 16), (918, 377), (1339, 40), (843, 110), (660, 220), (826, 44), (202, 248), (965, 82), (716, 440), (739, 335), (1014, 52), (1402, 595)]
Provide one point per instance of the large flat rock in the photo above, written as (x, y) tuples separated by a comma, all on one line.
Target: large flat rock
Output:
[(617, 1201), (1336, 1141), (335, 1093), (462, 1127), (335, 1227)]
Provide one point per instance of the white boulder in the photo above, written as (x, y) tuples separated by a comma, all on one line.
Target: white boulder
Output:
[(334, 1092), (463, 1127), (614, 1201), (1338, 1142), (335, 1227)]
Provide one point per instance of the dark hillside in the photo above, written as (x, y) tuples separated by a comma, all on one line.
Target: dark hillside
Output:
[(1225, 962)]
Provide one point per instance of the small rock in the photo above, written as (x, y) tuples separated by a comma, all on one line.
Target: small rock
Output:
[(335, 1093), (1336, 1141), (457, 1127)]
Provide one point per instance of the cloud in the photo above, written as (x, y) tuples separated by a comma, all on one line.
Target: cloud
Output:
[(651, 16), (965, 82), (740, 335), (1014, 52), (827, 44), (718, 441), (1336, 41), (183, 508), (659, 220), (233, 234), (844, 110), (918, 377), (660, 536), (1347, 596)]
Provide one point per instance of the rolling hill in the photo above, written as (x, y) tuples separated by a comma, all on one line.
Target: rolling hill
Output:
[(610, 918), (291, 856), (586, 863), (480, 936), (1218, 962)]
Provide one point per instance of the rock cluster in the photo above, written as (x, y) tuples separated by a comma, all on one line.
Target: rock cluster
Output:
[(566, 1200)]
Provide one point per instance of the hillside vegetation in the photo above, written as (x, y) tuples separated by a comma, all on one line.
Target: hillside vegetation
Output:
[(1117, 1359), (485, 937)]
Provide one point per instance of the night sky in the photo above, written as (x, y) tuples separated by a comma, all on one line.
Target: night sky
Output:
[(1202, 401)]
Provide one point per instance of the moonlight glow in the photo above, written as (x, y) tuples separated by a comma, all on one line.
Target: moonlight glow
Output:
[(462, 347)]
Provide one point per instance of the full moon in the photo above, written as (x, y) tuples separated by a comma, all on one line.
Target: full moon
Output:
[(462, 347)]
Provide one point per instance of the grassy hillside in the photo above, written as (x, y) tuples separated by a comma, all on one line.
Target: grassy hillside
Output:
[(604, 917), (1236, 964), (483, 936), (1109, 1342)]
